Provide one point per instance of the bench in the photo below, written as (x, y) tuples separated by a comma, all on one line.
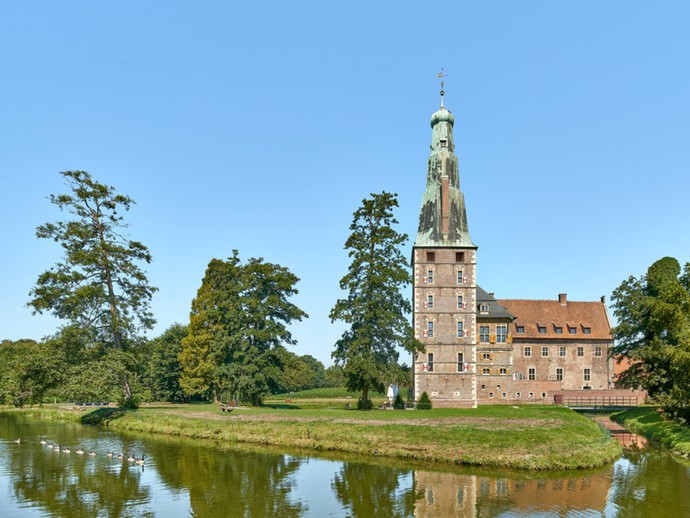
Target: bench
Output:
[(228, 407)]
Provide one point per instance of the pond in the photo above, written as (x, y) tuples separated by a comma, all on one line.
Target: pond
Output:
[(186, 478)]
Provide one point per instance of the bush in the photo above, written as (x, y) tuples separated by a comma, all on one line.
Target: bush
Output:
[(399, 404), (424, 402), (364, 404)]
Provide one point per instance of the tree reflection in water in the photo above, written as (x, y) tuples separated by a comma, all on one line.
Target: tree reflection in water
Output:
[(369, 490), (229, 483)]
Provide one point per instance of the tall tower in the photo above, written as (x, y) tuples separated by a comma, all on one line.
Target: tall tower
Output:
[(445, 286)]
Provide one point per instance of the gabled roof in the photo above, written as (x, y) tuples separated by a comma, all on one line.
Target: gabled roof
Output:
[(562, 313), (496, 310)]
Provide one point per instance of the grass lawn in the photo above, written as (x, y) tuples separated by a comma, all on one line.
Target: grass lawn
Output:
[(526, 437), (648, 421)]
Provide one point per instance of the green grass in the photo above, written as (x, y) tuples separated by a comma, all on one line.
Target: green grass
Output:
[(648, 421), (526, 437)]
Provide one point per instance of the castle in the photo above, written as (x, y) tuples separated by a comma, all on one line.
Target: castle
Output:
[(480, 349)]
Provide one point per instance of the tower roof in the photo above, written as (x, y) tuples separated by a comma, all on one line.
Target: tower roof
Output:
[(443, 218)]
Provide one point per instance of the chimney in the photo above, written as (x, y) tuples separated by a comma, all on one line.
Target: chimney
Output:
[(563, 299), (603, 299)]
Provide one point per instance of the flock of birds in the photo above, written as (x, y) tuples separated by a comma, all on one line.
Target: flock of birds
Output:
[(79, 451)]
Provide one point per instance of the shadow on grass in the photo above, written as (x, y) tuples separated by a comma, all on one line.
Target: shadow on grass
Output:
[(102, 416), (281, 406)]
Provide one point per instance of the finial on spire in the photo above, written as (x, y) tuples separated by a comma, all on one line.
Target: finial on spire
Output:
[(441, 75)]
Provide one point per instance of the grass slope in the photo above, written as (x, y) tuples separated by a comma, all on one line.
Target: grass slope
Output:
[(526, 437), (648, 421)]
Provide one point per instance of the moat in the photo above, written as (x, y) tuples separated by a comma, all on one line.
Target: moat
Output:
[(191, 478)]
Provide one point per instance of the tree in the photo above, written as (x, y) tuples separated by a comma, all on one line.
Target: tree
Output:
[(374, 308), (163, 365), (98, 285), (238, 322), (653, 331)]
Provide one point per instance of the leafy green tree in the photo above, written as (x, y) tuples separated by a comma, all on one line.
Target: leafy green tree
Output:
[(653, 314), (238, 321), (334, 376), (374, 308), (164, 369), (98, 285)]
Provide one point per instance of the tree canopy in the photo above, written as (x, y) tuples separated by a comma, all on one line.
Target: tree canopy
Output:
[(374, 308), (653, 331), (98, 285), (238, 322)]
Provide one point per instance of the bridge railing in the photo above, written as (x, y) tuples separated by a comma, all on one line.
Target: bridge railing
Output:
[(600, 401)]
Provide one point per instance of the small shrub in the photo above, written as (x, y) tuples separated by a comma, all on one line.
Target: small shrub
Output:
[(399, 404), (364, 404), (424, 402)]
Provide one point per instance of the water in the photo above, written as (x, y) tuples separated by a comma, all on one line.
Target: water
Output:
[(186, 478)]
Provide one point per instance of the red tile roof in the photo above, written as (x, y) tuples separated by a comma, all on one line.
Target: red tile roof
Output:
[(552, 314)]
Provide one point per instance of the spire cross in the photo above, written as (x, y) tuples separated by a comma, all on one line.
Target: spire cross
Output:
[(442, 75)]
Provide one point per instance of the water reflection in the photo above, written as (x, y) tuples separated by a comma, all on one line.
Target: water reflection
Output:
[(184, 478)]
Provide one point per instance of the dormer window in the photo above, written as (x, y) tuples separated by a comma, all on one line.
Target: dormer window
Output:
[(519, 329), (542, 330), (586, 330), (559, 330), (484, 307)]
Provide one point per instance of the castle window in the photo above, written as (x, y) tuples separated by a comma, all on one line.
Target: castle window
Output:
[(444, 142), (503, 371), (518, 395), (504, 395), (527, 351), (461, 362), (491, 394), (430, 301), (486, 356), (519, 329), (542, 330), (461, 304), (532, 374), (461, 329), (559, 374), (501, 334), (586, 330), (430, 328), (530, 395), (461, 279), (561, 351), (430, 362), (486, 370), (559, 330), (429, 277), (431, 256), (545, 350), (543, 395), (484, 334), (580, 351), (588, 375), (597, 351), (459, 257)]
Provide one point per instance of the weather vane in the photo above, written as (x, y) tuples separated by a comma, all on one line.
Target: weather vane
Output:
[(442, 75)]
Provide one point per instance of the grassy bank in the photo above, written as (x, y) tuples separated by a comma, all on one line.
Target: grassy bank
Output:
[(525, 437), (647, 421)]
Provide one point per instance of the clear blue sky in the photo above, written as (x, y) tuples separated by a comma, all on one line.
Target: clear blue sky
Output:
[(261, 126)]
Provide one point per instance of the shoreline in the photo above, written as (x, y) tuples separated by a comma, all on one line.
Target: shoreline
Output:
[(529, 437), (649, 422)]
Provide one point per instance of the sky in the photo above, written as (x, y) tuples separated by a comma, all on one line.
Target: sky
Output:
[(261, 126)]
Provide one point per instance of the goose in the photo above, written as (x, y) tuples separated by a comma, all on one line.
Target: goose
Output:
[(120, 456), (109, 454), (56, 447), (92, 453), (66, 450), (43, 441), (18, 441), (130, 458), (79, 451), (139, 461)]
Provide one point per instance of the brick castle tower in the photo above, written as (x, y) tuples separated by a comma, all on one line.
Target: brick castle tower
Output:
[(445, 285)]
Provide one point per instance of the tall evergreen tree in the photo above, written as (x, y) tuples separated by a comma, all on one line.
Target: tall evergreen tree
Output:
[(98, 285), (653, 314), (238, 320), (375, 308)]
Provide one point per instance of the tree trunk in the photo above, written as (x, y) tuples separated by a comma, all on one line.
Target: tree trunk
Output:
[(127, 391)]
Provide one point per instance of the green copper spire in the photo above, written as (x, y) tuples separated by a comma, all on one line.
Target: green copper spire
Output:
[(442, 219)]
